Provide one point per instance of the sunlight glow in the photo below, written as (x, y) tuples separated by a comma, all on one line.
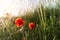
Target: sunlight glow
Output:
[(12, 6), (15, 7)]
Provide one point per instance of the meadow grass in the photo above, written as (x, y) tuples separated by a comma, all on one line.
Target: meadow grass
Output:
[(47, 22)]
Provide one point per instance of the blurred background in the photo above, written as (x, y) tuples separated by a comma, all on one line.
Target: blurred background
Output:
[(44, 13)]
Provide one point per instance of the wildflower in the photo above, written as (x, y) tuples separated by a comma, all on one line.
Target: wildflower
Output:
[(31, 25), (19, 22)]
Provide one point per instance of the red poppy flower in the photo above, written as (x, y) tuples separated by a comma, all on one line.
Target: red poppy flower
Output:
[(31, 25), (19, 22)]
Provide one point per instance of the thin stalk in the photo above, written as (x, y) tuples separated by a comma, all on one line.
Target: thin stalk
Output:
[(43, 22), (54, 37)]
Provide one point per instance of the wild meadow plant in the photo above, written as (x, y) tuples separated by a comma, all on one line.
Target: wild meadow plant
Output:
[(42, 24)]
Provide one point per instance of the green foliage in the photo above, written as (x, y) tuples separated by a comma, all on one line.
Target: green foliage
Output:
[(47, 21)]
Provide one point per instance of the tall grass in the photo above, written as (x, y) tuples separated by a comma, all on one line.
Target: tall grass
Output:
[(47, 22)]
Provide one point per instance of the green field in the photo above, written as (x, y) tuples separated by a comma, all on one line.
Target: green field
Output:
[(47, 21)]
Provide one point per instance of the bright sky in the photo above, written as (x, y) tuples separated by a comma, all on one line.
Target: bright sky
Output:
[(14, 6)]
